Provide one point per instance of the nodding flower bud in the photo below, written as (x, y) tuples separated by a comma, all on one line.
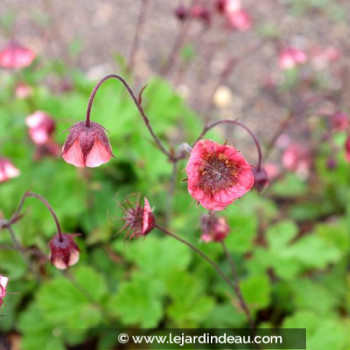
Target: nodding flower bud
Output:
[(261, 179), (181, 13), (217, 175), (139, 221), (214, 228), (16, 56), (347, 149), (41, 127), (3, 285), (7, 170), (87, 146), (64, 252), (291, 57), (220, 5)]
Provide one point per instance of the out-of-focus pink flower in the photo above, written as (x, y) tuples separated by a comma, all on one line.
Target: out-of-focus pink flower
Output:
[(64, 252), (214, 228), (232, 6), (347, 149), (272, 170), (139, 220), (283, 141), (321, 58), (217, 175), (41, 127), (15, 56), (291, 57), (50, 148), (87, 146), (297, 158), (239, 20), (201, 12), (3, 285), (7, 170), (23, 90), (339, 121)]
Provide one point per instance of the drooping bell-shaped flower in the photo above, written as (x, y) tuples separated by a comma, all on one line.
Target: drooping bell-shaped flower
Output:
[(217, 175), (87, 146), (64, 252), (7, 170), (214, 228), (40, 127)]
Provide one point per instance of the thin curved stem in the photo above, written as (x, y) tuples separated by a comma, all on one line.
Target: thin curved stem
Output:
[(47, 205), (139, 26), (242, 302), (137, 103), (216, 267), (235, 122)]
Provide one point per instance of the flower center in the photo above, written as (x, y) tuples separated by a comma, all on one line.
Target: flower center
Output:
[(217, 173)]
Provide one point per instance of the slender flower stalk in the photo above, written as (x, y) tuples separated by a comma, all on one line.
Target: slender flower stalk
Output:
[(233, 286), (139, 27), (238, 291), (47, 205), (137, 103), (235, 122)]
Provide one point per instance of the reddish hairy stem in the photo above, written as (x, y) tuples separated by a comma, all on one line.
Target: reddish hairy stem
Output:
[(215, 266), (138, 105), (47, 205), (235, 122)]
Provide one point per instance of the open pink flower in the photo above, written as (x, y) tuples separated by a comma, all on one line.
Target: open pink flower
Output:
[(347, 149), (139, 220), (7, 170), (64, 252), (339, 121), (3, 285), (298, 159), (291, 57), (87, 145), (239, 20), (16, 56), (41, 127), (214, 228), (217, 175)]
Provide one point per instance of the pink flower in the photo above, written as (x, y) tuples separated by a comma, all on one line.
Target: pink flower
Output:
[(239, 20), (139, 221), (339, 121), (16, 56), (23, 91), (50, 148), (272, 170), (321, 58), (291, 57), (217, 175), (261, 179), (87, 146), (41, 127), (64, 252), (7, 170), (201, 12), (297, 158), (214, 228), (3, 285), (347, 149), (232, 6)]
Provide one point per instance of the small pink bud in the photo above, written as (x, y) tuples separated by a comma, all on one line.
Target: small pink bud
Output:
[(201, 12), (297, 158), (217, 175), (214, 228), (181, 13), (139, 221), (261, 179), (7, 170), (339, 121), (221, 5), (331, 163), (23, 91), (16, 56), (64, 252), (291, 57), (3, 285), (41, 127), (87, 145), (347, 149)]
